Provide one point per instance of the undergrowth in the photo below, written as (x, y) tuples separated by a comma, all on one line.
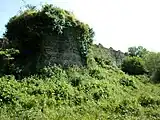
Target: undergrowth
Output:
[(79, 93)]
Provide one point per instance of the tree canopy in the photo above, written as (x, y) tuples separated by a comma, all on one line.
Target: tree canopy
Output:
[(137, 51)]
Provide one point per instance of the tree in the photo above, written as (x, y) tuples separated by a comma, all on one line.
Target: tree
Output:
[(133, 66), (137, 51), (152, 61)]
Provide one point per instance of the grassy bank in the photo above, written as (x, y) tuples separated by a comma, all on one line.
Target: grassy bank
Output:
[(83, 94)]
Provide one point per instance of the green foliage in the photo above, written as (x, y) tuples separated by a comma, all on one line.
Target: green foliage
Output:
[(6, 60), (7, 53), (50, 71), (137, 51), (100, 91), (126, 107), (127, 82), (156, 76), (133, 66), (75, 93), (98, 55), (26, 31), (152, 61), (148, 101)]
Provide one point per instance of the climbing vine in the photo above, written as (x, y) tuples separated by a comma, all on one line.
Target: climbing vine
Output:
[(26, 30)]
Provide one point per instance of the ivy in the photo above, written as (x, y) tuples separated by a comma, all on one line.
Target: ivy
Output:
[(6, 58), (26, 30), (8, 53)]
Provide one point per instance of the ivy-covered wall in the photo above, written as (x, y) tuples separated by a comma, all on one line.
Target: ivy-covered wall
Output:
[(61, 49), (47, 36)]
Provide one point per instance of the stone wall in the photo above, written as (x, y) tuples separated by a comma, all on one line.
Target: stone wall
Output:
[(63, 50), (117, 55)]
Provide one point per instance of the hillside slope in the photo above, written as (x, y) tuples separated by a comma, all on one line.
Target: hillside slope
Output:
[(87, 94), (97, 91)]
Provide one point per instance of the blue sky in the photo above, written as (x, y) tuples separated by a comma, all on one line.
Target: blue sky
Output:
[(117, 23)]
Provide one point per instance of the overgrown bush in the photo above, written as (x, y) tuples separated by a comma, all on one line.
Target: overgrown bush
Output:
[(98, 92), (26, 32), (99, 55), (156, 76), (127, 82), (152, 61), (6, 61), (133, 66), (77, 93)]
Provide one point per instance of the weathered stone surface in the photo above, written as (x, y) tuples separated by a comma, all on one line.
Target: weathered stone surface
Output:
[(117, 55), (60, 50)]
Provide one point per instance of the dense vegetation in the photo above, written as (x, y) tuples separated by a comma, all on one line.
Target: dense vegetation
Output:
[(28, 31), (101, 90), (88, 93), (133, 66)]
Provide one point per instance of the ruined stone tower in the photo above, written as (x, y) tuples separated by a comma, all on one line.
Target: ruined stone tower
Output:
[(49, 36)]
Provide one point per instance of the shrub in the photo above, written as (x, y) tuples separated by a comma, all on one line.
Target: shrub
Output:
[(147, 100), (156, 75), (51, 71), (75, 81), (98, 55), (127, 82), (6, 60), (97, 73), (102, 62), (133, 66)]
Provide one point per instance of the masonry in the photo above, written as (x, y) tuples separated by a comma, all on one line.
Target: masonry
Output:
[(63, 50), (49, 36)]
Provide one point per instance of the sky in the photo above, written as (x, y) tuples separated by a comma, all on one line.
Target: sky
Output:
[(117, 23)]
